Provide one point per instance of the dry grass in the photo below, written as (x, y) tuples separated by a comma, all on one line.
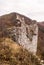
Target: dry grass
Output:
[(13, 54)]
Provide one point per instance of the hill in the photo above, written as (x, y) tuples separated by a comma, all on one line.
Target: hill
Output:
[(41, 39), (9, 40)]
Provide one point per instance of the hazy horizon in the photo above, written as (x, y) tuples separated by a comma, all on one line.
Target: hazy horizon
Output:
[(33, 9)]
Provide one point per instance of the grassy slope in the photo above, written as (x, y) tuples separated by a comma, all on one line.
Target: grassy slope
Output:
[(13, 54)]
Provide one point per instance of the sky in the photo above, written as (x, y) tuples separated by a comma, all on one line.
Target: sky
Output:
[(33, 9)]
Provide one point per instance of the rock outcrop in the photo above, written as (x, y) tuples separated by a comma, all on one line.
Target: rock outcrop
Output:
[(20, 29)]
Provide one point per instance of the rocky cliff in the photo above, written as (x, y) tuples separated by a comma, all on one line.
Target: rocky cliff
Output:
[(20, 29)]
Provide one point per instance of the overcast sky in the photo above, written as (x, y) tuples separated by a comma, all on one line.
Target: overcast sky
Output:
[(34, 9)]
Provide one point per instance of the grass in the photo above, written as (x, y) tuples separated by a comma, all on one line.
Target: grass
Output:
[(13, 54)]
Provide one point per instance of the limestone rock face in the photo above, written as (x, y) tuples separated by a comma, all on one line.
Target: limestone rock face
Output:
[(24, 34), (20, 29)]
